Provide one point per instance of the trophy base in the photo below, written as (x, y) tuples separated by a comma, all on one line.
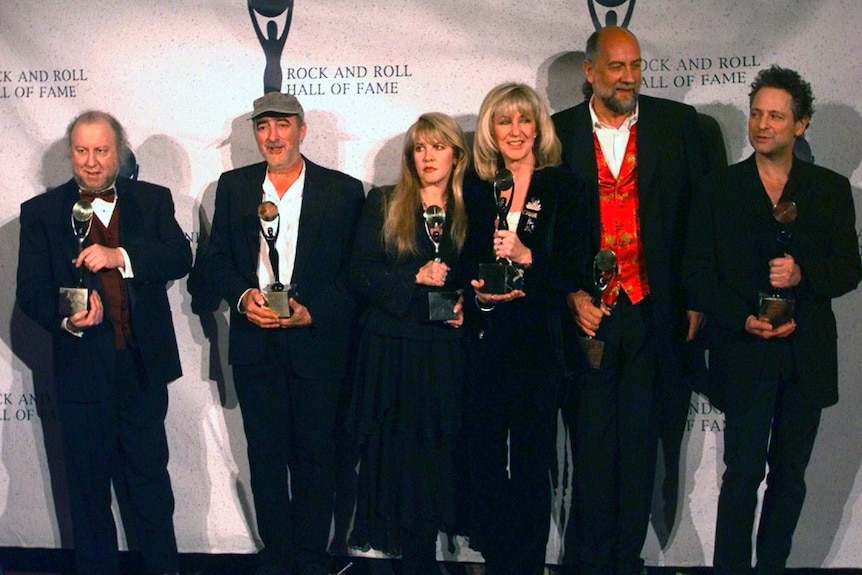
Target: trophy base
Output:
[(593, 350), (73, 300), (775, 309), (278, 301), (501, 278), (441, 305)]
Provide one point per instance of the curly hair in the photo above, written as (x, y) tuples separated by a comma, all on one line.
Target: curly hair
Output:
[(791, 82)]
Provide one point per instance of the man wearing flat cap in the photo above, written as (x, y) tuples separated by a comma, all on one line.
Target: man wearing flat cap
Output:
[(287, 222)]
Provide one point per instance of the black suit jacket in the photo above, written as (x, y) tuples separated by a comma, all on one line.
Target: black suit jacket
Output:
[(397, 305), (557, 234), (159, 252), (730, 242), (331, 203), (670, 157)]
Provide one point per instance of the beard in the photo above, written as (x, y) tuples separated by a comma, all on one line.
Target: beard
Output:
[(615, 104)]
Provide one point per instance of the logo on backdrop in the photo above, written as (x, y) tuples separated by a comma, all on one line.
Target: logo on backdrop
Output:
[(610, 9), (271, 21), (681, 71)]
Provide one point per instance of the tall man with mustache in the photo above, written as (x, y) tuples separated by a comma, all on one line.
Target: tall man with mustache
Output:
[(287, 370), (640, 156)]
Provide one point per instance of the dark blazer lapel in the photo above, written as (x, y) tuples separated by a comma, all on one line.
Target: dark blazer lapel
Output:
[(314, 200), (586, 145), (538, 206), (648, 145), (750, 180), (59, 221), (128, 208), (587, 164), (70, 194), (749, 193), (250, 193), (799, 186)]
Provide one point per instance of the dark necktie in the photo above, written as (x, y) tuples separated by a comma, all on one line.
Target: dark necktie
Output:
[(107, 195)]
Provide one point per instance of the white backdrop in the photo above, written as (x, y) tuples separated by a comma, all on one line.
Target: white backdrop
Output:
[(181, 76)]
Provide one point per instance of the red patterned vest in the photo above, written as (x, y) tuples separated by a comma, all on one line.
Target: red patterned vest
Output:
[(115, 294), (620, 223)]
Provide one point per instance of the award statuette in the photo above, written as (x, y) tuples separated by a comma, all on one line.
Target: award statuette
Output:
[(502, 276), (776, 306), (75, 299), (605, 270), (441, 304), (277, 295)]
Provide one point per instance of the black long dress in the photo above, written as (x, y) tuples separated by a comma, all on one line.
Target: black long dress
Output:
[(408, 394)]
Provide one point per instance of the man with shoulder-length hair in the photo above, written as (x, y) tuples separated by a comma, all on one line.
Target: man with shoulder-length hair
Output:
[(116, 352), (772, 241)]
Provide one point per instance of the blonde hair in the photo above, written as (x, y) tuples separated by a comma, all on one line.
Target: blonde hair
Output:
[(401, 205), (547, 149)]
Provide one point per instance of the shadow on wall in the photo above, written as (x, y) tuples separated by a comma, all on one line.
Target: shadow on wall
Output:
[(835, 136), (386, 162), (211, 332), (324, 139), (733, 122), (836, 142), (55, 169), (165, 162), (31, 346), (560, 80)]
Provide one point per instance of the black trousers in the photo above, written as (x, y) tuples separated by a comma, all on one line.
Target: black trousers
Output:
[(512, 424), (614, 438), (777, 430), (125, 433), (289, 424)]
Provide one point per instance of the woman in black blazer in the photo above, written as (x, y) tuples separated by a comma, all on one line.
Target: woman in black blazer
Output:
[(515, 364)]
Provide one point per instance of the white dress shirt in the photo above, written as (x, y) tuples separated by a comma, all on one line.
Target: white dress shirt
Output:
[(613, 141), (289, 208)]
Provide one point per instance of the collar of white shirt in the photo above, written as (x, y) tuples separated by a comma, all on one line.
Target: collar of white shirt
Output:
[(626, 125)]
